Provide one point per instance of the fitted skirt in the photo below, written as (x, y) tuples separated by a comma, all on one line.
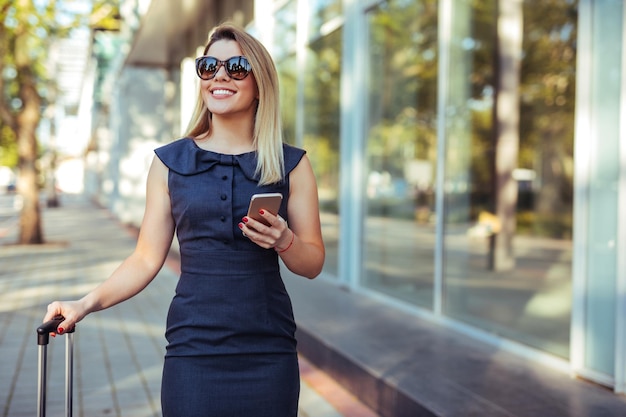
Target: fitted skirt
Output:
[(260, 385)]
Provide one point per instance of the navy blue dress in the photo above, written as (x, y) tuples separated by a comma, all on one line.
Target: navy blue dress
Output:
[(230, 328)]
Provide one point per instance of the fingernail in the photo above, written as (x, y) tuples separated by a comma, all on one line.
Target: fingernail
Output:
[(245, 220), (261, 212), (60, 330), (241, 225)]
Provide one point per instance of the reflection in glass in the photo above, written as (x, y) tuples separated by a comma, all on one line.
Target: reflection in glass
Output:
[(321, 133), (507, 256), (286, 65), (287, 75), (401, 150), (321, 12), (285, 30)]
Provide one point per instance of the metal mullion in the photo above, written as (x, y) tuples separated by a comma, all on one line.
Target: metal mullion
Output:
[(443, 76), (620, 310), (351, 144), (582, 152)]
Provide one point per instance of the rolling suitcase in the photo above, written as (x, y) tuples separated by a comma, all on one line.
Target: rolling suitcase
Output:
[(43, 338)]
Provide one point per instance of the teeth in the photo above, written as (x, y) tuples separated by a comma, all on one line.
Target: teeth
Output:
[(223, 92)]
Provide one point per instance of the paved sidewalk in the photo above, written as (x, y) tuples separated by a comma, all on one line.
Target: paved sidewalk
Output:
[(119, 351)]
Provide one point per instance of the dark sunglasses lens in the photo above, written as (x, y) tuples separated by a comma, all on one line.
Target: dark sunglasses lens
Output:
[(206, 67), (238, 67)]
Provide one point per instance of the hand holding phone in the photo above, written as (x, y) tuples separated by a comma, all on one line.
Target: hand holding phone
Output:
[(266, 201)]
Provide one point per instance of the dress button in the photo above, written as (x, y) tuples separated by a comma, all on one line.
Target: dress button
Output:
[(223, 197), (223, 218), (225, 177)]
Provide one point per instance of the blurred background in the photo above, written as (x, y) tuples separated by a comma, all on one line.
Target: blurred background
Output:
[(470, 154)]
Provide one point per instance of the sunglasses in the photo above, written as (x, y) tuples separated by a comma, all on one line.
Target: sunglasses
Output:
[(236, 67)]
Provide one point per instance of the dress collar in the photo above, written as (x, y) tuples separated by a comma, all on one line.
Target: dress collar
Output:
[(185, 157)]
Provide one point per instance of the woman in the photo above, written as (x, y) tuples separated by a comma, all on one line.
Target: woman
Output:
[(230, 329)]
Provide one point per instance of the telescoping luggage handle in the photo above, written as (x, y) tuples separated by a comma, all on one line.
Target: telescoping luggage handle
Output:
[(43, 338)]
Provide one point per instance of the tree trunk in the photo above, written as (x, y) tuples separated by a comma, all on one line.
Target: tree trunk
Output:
[(27, 185), (510, 32), (27, 119)]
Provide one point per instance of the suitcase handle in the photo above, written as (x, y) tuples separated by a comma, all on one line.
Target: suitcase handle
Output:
[(43, 338), (43, 331)]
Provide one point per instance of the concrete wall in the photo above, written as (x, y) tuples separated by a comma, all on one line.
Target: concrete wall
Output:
[(139, 121)]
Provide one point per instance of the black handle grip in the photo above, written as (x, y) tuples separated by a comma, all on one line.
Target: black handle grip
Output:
[(43, 331)]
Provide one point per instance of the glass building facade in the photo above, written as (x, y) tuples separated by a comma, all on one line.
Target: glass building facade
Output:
[(470, 161)]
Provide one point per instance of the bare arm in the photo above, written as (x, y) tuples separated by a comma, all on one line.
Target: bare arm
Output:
[(140, 268), (300, 243)]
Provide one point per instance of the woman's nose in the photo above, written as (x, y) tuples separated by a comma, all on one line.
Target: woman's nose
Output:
[(221, 73)]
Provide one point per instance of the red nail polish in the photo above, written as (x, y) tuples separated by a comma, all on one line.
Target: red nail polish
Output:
[(245, 220), (60, 330), (261, 212), (240, 225)]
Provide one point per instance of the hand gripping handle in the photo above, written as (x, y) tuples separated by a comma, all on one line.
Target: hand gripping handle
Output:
[(43, 338), (43, 331)]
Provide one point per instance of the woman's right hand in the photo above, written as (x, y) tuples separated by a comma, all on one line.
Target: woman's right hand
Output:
[(72, 311)]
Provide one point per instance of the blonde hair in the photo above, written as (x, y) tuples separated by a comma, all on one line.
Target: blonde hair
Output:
[(267, 136)]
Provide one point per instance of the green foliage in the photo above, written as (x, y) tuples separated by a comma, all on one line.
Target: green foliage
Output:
[(402, 86), (322, 111), (105, 15), (26, 34), (8, 147), (551, 225), (403, 77), (28, 28)]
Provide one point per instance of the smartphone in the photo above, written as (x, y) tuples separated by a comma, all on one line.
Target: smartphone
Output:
[(266, 201)]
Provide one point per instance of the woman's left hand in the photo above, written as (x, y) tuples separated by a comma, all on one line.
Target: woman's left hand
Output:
[(299, 244), (277, 235)]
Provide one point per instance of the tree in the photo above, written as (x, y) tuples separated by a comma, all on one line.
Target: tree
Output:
[(507, 138), (26, 31)]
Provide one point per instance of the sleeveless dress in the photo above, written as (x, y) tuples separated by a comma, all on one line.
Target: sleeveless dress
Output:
[(230, 328)]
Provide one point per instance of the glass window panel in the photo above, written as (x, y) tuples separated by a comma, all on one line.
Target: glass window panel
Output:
[(601, 272), (509, 181), (321, 133), (287, 75), (285, 30), (399, 229), (286, 65), (320, 12)]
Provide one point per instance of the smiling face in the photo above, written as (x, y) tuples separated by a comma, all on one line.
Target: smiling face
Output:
[(224, 96)]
